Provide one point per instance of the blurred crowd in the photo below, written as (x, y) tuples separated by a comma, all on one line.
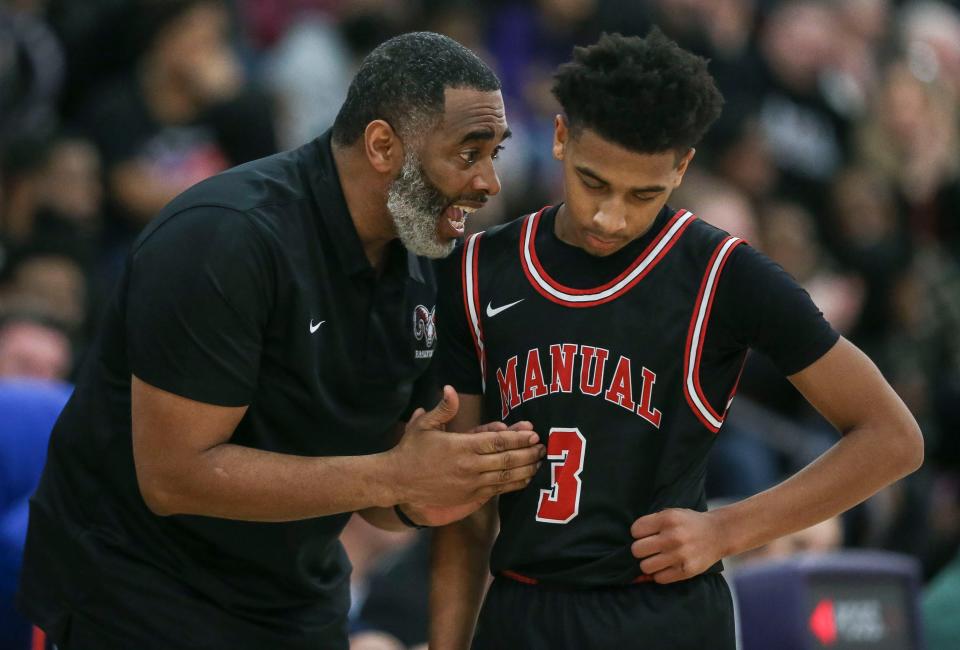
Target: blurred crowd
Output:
[(837, 154)]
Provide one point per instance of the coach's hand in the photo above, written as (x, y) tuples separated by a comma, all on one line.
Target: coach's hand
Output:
[(432, 515), (433, 466), (676, 544)]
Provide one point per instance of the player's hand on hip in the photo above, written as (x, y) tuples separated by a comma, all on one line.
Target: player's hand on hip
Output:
[(676, 544), (443, 468)]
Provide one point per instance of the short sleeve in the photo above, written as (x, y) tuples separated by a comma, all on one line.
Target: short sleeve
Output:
[(760, 306), (459, 365), (199, 297)]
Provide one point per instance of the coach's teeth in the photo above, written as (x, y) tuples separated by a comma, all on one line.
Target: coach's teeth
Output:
[(466, 209)]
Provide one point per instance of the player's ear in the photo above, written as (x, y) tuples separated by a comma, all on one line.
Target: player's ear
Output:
[(682, 164), (560, 135), (383, 147)]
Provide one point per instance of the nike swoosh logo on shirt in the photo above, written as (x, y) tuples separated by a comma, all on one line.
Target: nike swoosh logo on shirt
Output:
[(314, 328), (493, 311)]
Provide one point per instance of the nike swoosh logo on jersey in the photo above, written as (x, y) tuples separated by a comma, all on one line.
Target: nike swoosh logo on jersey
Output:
[(314, 328), (493, 311)]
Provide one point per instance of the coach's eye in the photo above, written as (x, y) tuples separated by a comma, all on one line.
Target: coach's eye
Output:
[(496, 152), (469, 156)]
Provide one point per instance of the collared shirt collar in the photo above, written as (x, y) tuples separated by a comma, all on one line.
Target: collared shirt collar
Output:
[(332, 208), (326, 185)]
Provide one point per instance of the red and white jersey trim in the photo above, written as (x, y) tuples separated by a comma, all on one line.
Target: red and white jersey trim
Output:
[(697, 334), (553, 290), (471, 301)]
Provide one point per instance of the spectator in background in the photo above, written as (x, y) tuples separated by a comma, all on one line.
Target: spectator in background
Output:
[(28, 409), (930, 33), (52, 282), (866, 235), (805, 131), (32, 346), (911, 138), (31, 72), (940, 600), (185, 112)]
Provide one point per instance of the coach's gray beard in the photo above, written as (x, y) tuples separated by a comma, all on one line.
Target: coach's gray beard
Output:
[(417, 206)]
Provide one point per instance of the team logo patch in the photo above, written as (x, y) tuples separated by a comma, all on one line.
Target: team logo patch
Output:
[(425, 329)]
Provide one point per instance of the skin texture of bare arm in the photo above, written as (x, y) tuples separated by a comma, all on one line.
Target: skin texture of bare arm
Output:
[(185, 464), (460, 560), (881, 443)]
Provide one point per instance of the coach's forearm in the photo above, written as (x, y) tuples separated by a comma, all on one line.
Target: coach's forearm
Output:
[(458, 578), (234, 482)]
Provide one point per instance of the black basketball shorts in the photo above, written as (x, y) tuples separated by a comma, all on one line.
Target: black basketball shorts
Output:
[(695, 614)]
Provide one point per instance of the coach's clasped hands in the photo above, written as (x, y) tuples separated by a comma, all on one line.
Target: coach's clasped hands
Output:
[(676, 544), (443, 476)]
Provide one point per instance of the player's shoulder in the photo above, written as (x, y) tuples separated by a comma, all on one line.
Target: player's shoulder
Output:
[(701, 230), (504, 234)]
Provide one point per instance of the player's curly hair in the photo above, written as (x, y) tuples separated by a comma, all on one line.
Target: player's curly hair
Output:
[(403, 81), (645, 94)]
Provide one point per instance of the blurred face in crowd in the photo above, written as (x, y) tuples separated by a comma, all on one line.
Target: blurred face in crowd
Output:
[(72, 180), (58, 282), (194, 47), (33, 350), (612, 194), (799, 40), (200, 29), (450, 174)]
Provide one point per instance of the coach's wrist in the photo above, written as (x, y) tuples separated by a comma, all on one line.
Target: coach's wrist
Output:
[(385, 481)]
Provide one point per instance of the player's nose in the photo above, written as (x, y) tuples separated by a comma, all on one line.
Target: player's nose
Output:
[(610, 218)]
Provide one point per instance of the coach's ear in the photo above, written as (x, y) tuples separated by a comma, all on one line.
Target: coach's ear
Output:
[(560, 135), (383, 147)]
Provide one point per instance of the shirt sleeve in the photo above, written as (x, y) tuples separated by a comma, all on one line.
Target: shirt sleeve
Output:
[(760, 306), (200, 294), (459, 365)]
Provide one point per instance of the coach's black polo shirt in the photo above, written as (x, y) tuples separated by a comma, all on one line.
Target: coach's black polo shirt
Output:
[(251, 288)]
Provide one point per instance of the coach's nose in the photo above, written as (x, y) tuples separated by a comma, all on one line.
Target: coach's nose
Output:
[(486, 179)]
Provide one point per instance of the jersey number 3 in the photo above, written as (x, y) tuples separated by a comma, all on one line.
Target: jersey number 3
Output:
[(561, 503)]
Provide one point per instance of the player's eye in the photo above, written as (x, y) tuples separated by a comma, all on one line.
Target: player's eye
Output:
[(644, 197), (591, 183)]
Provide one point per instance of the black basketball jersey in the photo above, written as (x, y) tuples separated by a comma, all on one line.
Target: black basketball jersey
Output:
[(614, 374)]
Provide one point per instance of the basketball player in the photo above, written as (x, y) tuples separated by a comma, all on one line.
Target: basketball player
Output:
[(620, 326)]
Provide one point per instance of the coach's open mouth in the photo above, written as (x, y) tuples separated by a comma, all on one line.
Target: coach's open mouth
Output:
[(455, 219)]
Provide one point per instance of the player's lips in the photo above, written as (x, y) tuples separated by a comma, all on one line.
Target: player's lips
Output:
[(601, 243)]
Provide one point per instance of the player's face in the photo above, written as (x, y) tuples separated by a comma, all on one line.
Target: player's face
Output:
[(450, 174), (612, 194)]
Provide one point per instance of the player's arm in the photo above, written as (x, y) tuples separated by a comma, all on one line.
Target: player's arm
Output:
[(460, 561), (881, 443), (880, 440)]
